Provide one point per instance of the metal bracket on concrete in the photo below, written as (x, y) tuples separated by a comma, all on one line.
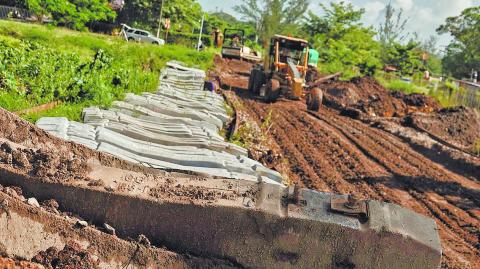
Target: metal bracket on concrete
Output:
[(350, 205), (294, 196)]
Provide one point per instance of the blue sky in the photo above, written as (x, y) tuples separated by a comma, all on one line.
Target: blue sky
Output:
[(425, 15)]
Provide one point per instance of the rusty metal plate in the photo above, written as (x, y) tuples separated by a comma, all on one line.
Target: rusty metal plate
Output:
[(349, 206)]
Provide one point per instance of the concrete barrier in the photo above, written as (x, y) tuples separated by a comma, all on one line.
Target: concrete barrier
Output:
[(260, 226), (177, 128)]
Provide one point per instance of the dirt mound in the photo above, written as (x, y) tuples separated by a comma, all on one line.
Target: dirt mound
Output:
[(366, 96), (53, 159), (72, 256), (9, 263), (48, 164), (459, 126)]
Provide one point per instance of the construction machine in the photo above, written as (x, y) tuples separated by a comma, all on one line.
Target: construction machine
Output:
[(284, 72), (234, 47)]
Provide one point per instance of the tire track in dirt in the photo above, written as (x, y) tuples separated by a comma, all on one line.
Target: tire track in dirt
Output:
[(330, 150), (350, 156), (299, 171), (411, 176)]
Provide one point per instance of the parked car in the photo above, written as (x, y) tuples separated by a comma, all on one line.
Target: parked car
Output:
[(133, 34)]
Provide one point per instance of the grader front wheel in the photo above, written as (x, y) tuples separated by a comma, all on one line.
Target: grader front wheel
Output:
[(314, 99)]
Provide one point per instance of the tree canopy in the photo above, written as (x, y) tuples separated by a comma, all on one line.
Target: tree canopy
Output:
[(72, 13), (343, 42), (271, 17), (462, 55), (185, 15)]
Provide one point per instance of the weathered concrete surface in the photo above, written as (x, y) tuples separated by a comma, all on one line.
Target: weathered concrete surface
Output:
[(153, 154), (253, 224), (177, 128), (25, 231)]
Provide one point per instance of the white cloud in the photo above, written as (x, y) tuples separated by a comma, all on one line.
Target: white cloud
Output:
[(373, 11), (406, 5), (424, 15)]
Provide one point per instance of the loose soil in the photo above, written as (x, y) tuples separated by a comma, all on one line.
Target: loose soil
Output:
[(332, 151), (53, 159), (365, 96), (9, 263), (459, 126), (71, 256)]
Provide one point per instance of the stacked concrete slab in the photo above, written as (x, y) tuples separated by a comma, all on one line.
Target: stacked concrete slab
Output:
[(177, 128)]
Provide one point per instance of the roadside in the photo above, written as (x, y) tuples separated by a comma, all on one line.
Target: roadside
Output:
[(90, 69), (382, 145)]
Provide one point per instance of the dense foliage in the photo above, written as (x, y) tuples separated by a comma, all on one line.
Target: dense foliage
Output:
[(185, 15), (463, 54), (71, 13), (344, 44), (39, 65), (271, 17)]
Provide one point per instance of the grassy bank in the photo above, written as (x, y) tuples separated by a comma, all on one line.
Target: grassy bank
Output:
[(40, 64), (446, 93)]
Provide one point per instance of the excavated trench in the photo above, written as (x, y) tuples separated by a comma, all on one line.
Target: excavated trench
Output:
[(329, 152)]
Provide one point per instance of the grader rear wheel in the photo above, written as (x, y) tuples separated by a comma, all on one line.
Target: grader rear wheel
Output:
[(256, 80), (314, 99), (272, 91)]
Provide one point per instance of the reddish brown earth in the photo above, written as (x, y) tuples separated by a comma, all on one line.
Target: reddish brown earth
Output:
[(459, 126), (330, 152), (72, 256), (9, 263), (367, 96)]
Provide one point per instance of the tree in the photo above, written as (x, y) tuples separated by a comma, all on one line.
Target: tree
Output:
[(72, 13), (185, 15), (396, 51), (272, 16), (343, 42), (430, 45), (407, 58), (463, 54), (337, 20), (392, 30), (14, 3), (433, 62)]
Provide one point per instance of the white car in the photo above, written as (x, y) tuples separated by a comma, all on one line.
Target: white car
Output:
[(133, 34)]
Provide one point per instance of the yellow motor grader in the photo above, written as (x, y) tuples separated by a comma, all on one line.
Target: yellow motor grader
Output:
[(284, 73)]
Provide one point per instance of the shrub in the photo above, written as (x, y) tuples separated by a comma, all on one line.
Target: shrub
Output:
[(39, 65), (399, 85)]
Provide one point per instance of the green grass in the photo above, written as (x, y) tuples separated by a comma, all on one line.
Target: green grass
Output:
[(40, 64), (403, 86), (446, 93)]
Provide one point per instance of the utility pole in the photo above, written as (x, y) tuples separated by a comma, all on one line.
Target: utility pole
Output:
[(200, 34), (160, 19)]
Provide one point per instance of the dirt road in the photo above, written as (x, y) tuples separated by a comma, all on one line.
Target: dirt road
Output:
[(333, 153)]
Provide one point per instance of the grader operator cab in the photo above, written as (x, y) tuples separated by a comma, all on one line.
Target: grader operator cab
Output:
[(285, 71)]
